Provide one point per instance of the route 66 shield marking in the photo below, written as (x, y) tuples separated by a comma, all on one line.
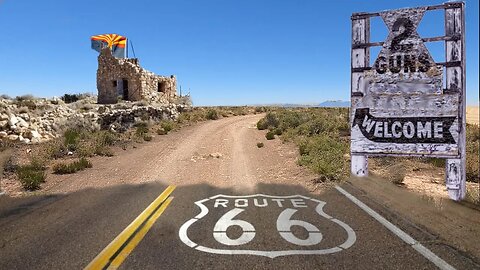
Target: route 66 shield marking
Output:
[(289, 215)]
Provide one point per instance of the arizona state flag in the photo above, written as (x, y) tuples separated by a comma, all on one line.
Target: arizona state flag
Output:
[(115, 42)]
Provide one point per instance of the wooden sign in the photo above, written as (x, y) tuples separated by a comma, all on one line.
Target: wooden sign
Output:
[(400, 106)]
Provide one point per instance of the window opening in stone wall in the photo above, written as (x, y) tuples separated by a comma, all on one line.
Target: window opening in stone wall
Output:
[(125, 89), (161, 87)]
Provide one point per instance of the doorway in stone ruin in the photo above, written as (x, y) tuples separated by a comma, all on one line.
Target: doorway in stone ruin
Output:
[(125, 89)]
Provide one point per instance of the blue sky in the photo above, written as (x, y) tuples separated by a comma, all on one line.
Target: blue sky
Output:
[(226, 52)]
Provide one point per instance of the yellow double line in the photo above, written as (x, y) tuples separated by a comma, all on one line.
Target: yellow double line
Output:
[(118, 250)]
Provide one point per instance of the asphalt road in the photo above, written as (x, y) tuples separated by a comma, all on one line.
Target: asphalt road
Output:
[(235, 217), (67, 232)]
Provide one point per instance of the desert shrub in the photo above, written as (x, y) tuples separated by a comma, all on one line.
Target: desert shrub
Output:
[(6, 144), (396, 173), (167, 125), (184, 100), (386, 161), (70, 98), (197, 114), (26, 101), (54, 148), (272, 120), (321, 135), (472, 150), (97, 143), (259, 109), (325, 156), (24, 97), (238, 110), (71, 137), (472, 195), (107, 138), (270, 135), (31, 176), (260, 145), (147, 137), (141, 128), (5, 96), (73, 167), (437, 162), (161, 131), (225, 113), (262, 124), (212, 114), (184, 117)]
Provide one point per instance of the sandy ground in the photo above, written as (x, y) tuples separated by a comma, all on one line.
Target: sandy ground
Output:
[(473, 115)]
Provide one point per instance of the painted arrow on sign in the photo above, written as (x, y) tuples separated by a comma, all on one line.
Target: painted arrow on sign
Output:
[(404, 129)]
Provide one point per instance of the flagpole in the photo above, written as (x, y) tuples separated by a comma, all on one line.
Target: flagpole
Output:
[(127, 47), (133, 50)]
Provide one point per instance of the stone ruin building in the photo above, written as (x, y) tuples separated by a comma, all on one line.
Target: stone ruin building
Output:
[(124, 79)]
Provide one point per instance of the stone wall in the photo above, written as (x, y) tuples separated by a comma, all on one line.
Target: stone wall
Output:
[(46, 119), (126, 79)]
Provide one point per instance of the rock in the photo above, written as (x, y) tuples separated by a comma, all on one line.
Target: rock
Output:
[(23, 140), (216, 155), (30, 134), (12, 120), (3, 134), (3, 116), (25, 116), (22, 123), (12, 137), (3, 123), (56, 101)]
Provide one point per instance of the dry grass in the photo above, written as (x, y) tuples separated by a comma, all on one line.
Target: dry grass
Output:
[(73, 167)]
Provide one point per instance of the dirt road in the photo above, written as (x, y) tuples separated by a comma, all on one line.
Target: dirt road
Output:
[(223, 153), (235, 206)]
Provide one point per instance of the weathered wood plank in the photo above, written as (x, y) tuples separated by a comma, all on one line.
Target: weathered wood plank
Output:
[(455, 170), (359, 165), (360, 58)]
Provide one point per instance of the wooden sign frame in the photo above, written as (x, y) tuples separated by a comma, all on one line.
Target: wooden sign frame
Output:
[(451, 147)]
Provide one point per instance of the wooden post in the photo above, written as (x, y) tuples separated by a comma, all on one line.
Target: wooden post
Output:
[(456, 84), (360, 59)]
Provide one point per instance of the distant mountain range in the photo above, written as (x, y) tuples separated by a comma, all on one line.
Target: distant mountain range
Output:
[(334, 103), (328, 103)]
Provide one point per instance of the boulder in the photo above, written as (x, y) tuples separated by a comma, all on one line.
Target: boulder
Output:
[(22, 123), (3, 123), (30, 134), (12, 120), (12, 137)]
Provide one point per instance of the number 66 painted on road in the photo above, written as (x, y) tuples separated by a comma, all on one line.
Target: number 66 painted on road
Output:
[(284, 225)]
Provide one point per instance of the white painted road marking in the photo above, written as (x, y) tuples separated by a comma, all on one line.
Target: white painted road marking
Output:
[(398, 232), (283, 224)]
